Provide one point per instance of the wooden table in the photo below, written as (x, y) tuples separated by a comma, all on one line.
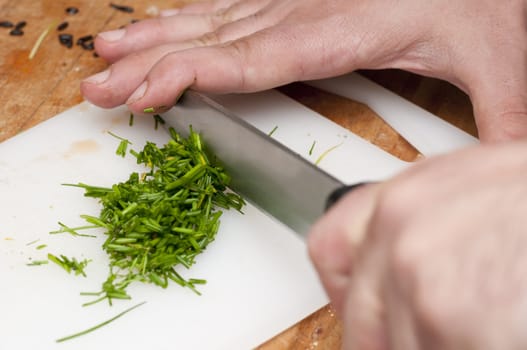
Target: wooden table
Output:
[(32, 91)]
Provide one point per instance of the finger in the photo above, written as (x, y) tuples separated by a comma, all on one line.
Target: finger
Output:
[(335, 238), (364, 312), (499, 95), (260, 61), (115, 44), (201, 7), (113, 87), (501, 113), (400, 326), (237, 28)]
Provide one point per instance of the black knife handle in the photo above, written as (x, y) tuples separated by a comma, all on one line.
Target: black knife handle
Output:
[(336, 195)]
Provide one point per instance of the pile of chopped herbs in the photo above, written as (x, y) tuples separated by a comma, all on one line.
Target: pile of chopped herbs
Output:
[(160, 219)]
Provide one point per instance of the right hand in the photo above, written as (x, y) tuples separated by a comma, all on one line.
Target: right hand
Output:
[(435, 258)]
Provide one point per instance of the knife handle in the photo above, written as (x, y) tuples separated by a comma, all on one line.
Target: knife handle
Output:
[(337, 194)]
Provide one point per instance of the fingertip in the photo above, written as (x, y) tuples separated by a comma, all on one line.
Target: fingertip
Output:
[(106, 50), (169, 12), (138, 94), (112, 35), (98, 96), (153, 97), (164, 83), (113, 45), (93, 90), (364, 311)]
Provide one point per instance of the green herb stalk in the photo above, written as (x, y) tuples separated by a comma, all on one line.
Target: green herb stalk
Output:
[(160, 219)]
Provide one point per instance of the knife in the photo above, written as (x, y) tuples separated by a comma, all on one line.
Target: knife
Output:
[(264, 172)]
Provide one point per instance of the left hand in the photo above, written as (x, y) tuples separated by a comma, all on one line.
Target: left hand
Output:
[(249, 45)]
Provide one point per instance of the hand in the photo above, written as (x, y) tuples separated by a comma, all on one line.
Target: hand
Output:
[(248, 45), (435, 258)]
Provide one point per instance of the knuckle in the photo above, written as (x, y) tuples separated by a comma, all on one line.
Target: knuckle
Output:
[(506, 120), (240, 50), (426, 278), (395, 200), (514, 123), (413, 274), (404, 259), (219, 18), (229, 13), (208, 39), (433, 315)]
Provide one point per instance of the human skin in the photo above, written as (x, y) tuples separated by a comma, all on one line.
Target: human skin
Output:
[(412, 266), (431, 259), (248, 45)]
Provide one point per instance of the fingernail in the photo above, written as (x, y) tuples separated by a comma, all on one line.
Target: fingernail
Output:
[(138, 93), (112, 35), (169, 12), (179, 96), (98, 78)]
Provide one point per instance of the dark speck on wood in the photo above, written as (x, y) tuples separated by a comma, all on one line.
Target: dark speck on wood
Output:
[(122, 8), (16, 32), (6, 24), (72, 10), (66, 40), (62, 26), (20, 25), (84, 39)]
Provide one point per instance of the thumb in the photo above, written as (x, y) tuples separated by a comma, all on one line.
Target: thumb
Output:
[(334, 240), (500, 104)]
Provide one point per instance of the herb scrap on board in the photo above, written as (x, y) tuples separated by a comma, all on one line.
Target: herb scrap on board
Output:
[(102, 324), (273, 131)]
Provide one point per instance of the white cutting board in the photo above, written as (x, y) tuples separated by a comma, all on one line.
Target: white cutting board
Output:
[(423, 130), (260, 280)]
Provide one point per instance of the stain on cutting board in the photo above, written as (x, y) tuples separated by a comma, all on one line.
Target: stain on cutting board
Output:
[(82, 147)]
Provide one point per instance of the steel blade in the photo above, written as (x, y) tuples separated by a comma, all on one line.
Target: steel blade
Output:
[(263, 171)]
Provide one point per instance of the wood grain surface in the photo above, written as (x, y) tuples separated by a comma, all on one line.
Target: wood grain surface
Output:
[(32, 91)]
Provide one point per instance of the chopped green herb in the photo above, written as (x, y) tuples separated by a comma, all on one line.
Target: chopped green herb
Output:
[(197, 281), (312, 148), (158, 120), (33, 242), (149, 110), (272, 131), (123, 145), (70, 265), (42, 246), (326, 152), (73, 230), (162, 218), (89, 330), (37, 263), (131, 121)]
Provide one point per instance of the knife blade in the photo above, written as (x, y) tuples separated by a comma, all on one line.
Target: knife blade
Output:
[(264, 172)]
